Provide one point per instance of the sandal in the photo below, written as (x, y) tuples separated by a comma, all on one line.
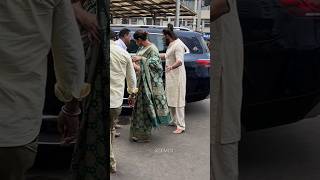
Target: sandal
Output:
[(178, 131)]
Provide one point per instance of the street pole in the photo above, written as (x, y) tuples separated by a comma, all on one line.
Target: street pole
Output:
[(199, 15), (154, 18), (195, 17), (177, 24)]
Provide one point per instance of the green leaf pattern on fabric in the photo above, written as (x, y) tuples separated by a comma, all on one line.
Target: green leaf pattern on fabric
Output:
[(151, 109)]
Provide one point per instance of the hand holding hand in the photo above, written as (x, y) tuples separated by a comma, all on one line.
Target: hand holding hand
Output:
[(131, 100), (68, 125), (136, 58), (162, 56), (136, 68), (168, 68)]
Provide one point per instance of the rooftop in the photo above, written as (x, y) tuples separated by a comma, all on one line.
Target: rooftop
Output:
[(147, 8)]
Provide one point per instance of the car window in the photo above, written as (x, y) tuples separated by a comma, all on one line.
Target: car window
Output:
[(205, 44), (156, 39), (193, 43)]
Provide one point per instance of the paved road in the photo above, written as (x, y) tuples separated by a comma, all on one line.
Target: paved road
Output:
[(290, 152), (168, 156)]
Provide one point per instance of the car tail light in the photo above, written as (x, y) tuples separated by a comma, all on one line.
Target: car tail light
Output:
[(203, 62), (302, 7)]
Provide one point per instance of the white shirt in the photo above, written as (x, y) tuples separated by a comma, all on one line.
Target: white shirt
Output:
[(121, 44), (29, 28), (121, 68)]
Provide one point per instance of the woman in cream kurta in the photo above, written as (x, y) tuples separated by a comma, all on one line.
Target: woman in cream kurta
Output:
[(227, 48), (176, 80)]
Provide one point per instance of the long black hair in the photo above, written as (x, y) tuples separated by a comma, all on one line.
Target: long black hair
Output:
[(169, 31)]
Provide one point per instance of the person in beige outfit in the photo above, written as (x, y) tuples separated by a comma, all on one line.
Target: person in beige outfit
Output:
[(227, 48), (121, 69), (175, 78), (29, 29)]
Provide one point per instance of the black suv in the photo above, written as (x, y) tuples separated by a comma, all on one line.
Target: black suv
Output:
[(197, 62), (197, 67), (282, 61)]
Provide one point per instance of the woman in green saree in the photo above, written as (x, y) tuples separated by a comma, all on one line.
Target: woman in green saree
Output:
[(151, 107), (90, 158)]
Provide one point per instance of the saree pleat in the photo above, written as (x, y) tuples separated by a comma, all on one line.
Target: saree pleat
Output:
[(90, 159)]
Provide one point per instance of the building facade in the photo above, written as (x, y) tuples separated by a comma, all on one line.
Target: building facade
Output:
[(191, 22)]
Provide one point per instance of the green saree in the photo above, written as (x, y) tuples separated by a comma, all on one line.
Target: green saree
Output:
[(151, 108), (90, 159)]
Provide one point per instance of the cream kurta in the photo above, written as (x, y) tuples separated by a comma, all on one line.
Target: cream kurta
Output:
[(227, 77), (176, 78), (227, 94)]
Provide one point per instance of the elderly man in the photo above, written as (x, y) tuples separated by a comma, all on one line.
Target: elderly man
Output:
[(124, 39), (227, 51), (28, 30), (123, 42), (121, 68)]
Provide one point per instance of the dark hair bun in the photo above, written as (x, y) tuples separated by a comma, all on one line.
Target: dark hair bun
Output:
[(169, 31), (170, 27)]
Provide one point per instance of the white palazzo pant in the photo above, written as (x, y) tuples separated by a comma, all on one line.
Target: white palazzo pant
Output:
[(178, 117), (224, 161)]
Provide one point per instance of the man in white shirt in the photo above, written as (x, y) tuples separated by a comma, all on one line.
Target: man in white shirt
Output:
[(29, 29), (123, 42), (121, 68), (124, 39)]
